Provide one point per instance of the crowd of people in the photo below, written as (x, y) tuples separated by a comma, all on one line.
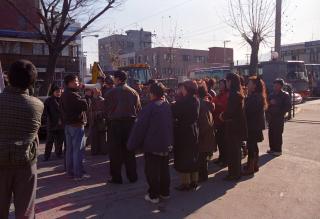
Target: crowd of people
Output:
[(202, 117)]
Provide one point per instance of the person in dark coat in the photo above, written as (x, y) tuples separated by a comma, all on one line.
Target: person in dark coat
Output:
[(255, 106), (55, 128), (279, 105), (74, 109), (236, 126), (221, 101), (20, 120), (97, 124), (122, 105), (153, 132), (186, 135), (207, 141)]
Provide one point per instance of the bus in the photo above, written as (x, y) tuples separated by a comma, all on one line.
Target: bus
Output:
[(314, 78), (293, 72), (243, 70), (213, 72)]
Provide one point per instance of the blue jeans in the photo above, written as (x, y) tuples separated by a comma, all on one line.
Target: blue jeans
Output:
[(75, 150)]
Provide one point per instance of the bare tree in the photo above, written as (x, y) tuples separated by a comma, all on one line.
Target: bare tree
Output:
[(254, 20), (56, 16)]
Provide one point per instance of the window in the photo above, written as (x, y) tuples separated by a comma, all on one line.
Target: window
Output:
[(186, 58), (65, 51), (38, 49), (46, 50), (9, 47), (154, 59), (200, 59)]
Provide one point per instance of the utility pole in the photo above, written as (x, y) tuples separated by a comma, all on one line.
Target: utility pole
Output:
[(277, 44), (224, 50)]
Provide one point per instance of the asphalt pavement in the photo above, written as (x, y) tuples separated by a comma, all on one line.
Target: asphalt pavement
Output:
[(285, 187)]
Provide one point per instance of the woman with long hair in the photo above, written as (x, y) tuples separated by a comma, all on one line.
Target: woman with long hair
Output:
[(55, 128), (236, 127), (255, 106), (186, 135)]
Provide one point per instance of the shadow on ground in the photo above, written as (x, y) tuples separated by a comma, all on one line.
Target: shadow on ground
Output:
[(93, 198)]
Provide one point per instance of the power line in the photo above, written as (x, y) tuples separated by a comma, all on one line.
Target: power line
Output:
[(203, 28), (157, 13), (204, 32)]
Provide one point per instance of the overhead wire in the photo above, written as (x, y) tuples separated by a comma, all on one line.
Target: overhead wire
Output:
[(157, 13)]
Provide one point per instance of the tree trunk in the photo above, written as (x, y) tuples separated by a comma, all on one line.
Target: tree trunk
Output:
[(49, 74), (253, 68)]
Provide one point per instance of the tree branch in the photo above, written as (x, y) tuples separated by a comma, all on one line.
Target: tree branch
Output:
[(90, 21)]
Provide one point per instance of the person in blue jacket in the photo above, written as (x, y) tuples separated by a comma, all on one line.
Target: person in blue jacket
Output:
[(153, 133)]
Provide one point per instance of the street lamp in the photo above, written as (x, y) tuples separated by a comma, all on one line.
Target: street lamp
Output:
[(82, 72), (224, 50)]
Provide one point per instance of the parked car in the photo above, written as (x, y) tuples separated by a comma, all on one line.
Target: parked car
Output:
[(297, 98)]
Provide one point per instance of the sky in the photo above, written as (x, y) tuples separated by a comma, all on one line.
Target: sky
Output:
[(200, 24)]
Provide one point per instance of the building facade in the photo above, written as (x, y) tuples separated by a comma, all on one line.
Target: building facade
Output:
[(309, 52), (111, 47), (220, 56), (166, 61), (18, 40)]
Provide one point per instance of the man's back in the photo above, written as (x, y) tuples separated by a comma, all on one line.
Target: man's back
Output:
[(20, 119), (122, 102)]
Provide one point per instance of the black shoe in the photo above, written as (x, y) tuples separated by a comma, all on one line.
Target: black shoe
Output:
[(112, 181), (195, 186)]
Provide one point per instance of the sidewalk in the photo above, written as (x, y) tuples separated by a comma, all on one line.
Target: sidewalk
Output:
[(285, 187)]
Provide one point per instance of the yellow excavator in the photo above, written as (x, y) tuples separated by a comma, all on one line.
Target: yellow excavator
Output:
[(96, 72)]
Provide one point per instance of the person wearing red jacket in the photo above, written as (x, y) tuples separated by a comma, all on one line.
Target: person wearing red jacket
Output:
[(221, 101)]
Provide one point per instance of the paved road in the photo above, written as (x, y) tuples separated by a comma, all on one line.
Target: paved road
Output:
[(285, 187)]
